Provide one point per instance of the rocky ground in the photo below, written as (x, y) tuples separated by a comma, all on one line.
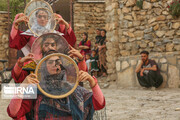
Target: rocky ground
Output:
[(132, 104)]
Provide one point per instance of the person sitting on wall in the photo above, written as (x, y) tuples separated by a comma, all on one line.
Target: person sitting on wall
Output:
[(148, 73)]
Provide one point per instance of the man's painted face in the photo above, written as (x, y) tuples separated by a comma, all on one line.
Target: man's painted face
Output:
[(144, 57), (42, 18), (54, 65), (49, 44)]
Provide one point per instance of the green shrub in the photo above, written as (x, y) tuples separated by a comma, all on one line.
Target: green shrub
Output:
[(174, 8), (139, 3)]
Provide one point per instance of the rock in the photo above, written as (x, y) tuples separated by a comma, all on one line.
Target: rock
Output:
[(148, 37), (121, 5), (173, 80), (118, 65), (133, 62), (126, 10), (146, 5), (143, 13), (163, 60), (130, 24), (121, 46), (124, 24), (148, 30), (142, 27), (165, 13), (167, 40), (176, 40), (131, 35), (155, 4), (177, 47), (110, 71), (151, 20), (153, 0), (130, 3), (128, 17), (158, 43), (176, 25), (160, 18), (124, 52), (170, 33), (138, 33), (164, 84), (126, 78), (141, 18), (123, 39), (156, 27), (151, 44), (115, 5), (164, 67), (106, 85), (80, 24), (178, 32), (128, 46), (171, 60), (135, 8), (134, 51), (169, 17), (109, 59), (134, 15), (132, 39), (169, 47), (125, 65), (160, 33), (136, 23), (143, 45), (132, 29), (157, 11), (6, 46)]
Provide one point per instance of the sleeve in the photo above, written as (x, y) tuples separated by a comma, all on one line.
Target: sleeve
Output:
[(82, 65), (80, 43), (153, 63), (18, 74), (98, 98), (16, 40), (68, 34), (18, 108)]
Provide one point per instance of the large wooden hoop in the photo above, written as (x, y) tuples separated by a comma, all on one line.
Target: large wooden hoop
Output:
[(50, 8), (76, 84), (32, 13)]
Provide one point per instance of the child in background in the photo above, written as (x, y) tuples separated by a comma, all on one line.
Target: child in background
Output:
[(88, 62), (94, 63)]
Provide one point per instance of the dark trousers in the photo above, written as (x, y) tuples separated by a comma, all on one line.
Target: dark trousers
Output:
[(152, 79)]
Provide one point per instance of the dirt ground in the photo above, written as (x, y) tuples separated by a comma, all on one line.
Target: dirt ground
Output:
[(133, 104)]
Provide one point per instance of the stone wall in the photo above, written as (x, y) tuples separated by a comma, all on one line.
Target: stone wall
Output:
[(169, 63), (151, 28), (112, 27), (4, 41), (87, 18), (131, 30)]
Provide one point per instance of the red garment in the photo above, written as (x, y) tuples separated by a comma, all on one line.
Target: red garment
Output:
[(18, 41), (26, 105), (85, 51)]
